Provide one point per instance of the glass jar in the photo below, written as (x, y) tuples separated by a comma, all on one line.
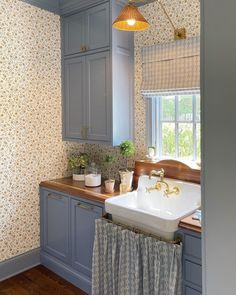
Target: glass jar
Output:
[(92, 176)]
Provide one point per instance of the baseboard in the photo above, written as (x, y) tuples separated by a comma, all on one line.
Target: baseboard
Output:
[(18, 264), (66, 272)]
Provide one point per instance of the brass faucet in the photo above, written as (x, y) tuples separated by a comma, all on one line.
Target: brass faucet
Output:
[(159, 184)]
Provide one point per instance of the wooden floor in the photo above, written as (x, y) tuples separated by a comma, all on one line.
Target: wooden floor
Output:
[(38, 281)]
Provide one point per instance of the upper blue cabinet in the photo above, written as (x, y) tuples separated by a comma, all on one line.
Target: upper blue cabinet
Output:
[(87, 30), (97, 76)]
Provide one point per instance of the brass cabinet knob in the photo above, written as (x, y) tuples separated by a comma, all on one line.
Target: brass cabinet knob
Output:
[(84, 132), (83, 48)]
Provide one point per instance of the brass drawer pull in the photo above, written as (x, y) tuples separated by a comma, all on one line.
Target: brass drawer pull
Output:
[(51, 196), (83, 48), (86, 207)]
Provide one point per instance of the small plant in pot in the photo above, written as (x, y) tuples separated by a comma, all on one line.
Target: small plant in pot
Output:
[(109, 183), (77, 164), (127, 150)]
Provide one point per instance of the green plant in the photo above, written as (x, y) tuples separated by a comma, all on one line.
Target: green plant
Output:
[(109, 160), (78, 162), (127, 150)]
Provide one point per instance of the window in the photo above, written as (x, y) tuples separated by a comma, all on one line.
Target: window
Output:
[(174, 123)]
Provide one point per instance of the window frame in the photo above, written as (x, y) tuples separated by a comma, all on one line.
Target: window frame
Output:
[(154, 134)]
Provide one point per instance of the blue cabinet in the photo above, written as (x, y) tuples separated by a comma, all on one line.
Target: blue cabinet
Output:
[(74, 104), (97, 76), (55, 216), (83, 215), (86, 30), (192, 265), (67, 236), (97, 26), (99, 107), (74, 33), (87, 106)]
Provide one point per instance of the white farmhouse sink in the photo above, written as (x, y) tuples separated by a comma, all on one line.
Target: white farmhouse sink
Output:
[(154, 212)]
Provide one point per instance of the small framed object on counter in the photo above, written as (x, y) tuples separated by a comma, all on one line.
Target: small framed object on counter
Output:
[(151, 153)]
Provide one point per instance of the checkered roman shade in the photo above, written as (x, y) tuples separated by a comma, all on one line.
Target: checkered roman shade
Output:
[(171, 67)]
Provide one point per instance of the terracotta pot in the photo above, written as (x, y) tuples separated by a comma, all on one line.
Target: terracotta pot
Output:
[(109, 185)]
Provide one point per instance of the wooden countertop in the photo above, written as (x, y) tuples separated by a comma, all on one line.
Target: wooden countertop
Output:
[(97, 194), (78, 189), (191, 224)]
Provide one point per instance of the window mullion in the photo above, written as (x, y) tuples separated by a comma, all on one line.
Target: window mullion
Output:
[(176, 127), (194, 128), (159, 124)]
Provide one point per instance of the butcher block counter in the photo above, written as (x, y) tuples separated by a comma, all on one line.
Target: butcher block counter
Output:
[(97, 194)]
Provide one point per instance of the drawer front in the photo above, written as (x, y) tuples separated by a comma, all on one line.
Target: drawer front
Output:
[(190, 291), (192, 246), (193, 273)]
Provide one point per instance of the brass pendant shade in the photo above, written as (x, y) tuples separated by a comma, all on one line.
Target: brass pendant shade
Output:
[(130, 19)]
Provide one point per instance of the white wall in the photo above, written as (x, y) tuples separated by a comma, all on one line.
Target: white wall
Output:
[(219, 145)]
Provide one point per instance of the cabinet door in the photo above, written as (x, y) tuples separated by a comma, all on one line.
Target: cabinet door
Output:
[(97, 27), (74, 33), (56, 225), (98, 97), (190, 291), (83, 217), (74, 97)]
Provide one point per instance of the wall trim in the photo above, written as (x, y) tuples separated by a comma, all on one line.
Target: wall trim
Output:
[(18, 264), (52, 6), (71, 6), (66, 271)]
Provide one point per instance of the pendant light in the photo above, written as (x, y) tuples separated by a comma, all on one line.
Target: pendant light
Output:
[(130, 19)]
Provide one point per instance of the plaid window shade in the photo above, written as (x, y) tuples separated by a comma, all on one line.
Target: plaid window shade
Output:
[(171, 67)]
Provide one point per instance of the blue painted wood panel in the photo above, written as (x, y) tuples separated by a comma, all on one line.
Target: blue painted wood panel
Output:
[(74, 97), (192, 269), (86, 30), (83, 216), (97, 27), (191, 291), (56, 225), (193, 273), (105, 90), (50, 5), (98, 96), (70, 6), (74, 33), (193, 246)]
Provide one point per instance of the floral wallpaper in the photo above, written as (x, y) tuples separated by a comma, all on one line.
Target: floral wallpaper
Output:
[(183, 13), (31, 147)]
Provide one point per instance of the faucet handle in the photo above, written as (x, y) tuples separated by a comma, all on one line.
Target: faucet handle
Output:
[(160, 173)]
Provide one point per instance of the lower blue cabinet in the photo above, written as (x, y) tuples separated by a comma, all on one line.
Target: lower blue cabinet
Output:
[(55, 234), (67, 236), (192, 264), (83, 229)]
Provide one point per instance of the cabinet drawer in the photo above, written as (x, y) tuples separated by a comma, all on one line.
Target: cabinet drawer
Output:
[(190, 291), (193, 273), (192, 246)]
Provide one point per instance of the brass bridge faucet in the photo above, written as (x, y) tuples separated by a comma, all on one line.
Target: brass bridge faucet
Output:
[(160, 183)]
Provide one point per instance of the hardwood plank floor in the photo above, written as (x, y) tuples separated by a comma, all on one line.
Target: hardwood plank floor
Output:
[(38, 281)]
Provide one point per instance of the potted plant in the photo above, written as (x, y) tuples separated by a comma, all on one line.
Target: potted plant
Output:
[(109, 183), (127, 150), (77, 164)]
